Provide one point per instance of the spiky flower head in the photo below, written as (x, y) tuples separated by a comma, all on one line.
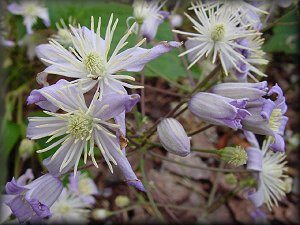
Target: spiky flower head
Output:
[(235, 156), (216, 37)]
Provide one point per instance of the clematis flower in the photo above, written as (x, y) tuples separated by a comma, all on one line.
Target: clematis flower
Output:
[(270, 170), (80, 128), (219, 110), (69, 209), (31, 202), (148, 16), (83, 186), (89, 61), (267, 118), (30, 10), (250, 14), (218, 31)]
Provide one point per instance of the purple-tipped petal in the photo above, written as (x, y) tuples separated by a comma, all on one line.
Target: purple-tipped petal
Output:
[(267, 109), (39, 208), (117, 104), (255, 157), (257, 198), (123, 165), (141, 56), (279, 144), (24, 178), (37, 96), (15, 8), (13, 187), (282, 126), (251, 139)]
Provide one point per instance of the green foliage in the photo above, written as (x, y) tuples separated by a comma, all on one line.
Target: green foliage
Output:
[(11, 135), (285, 36)]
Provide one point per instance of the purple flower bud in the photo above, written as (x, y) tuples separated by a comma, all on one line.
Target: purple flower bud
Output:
[(173, 137), (219, 110), (241, 90)]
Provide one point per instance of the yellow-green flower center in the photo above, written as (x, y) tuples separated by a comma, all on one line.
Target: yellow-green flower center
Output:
[(64, 209), (218, 32), (95, 65), (80, 125), (275, 118), (30, 9)]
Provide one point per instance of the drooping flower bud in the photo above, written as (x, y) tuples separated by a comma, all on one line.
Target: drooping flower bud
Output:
[(219, 110), (236, 156), (173, 137), (26, 148), (100, 214), (122, 201)]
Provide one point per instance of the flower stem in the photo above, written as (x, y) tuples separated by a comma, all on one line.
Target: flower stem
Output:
[(200, 130), (197, 167)]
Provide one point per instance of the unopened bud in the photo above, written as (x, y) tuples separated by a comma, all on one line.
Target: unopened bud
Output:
[(173, 137), (230, 179), (122, 201), (100, 214), (26, 148), (235, 156)]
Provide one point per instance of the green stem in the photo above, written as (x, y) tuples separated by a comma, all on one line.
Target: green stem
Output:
[(197, 167)]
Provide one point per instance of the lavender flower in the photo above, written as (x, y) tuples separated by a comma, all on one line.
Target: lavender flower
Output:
[(219, 110), (89, 61), (270, 170), (173, 137), (81, 127), (83, 186), (31, 202), (30, 10), (69, 209), (148, 16), (267, 118)]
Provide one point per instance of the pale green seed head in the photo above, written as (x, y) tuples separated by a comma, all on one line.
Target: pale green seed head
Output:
[(218, 32), (94, 64), (80, 125), (235, 156)]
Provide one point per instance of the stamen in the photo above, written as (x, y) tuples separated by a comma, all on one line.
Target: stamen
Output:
[(95, 65), (218, 32), (80, 125)]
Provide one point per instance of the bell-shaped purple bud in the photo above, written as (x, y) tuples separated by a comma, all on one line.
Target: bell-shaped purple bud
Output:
[(173, 137), (219, 110)]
